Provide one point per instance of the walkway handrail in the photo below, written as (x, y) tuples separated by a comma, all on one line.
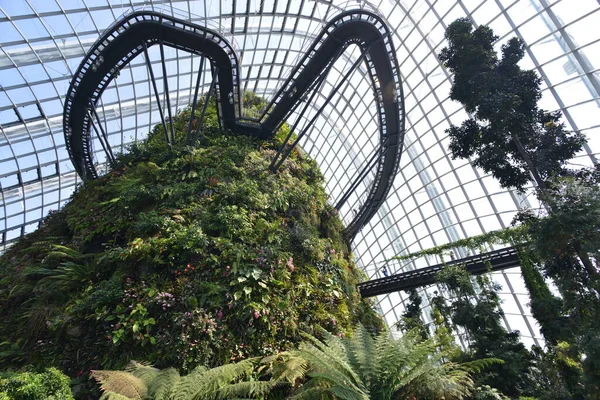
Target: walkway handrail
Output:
[(79, 146)]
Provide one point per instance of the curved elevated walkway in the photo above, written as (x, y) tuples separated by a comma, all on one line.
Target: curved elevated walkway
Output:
[(130, 36)]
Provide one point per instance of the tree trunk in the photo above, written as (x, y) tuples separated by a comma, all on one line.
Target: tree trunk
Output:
[(583, 256), (586, 261), (532, 169)]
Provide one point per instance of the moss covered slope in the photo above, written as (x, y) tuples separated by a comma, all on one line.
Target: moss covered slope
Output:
[(195, 255)]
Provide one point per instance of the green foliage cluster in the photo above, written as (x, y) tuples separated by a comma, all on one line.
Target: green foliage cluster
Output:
[(506, 236), (508, 135), (568, 322), (195, 255), (360, 367), (411, 318), (478, 313), (48, 385)]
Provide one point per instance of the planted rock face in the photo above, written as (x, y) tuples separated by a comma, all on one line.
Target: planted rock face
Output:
[(195, 255)]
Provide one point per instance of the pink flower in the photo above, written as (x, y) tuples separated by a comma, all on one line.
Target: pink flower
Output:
[(256, 314), (220, 315)]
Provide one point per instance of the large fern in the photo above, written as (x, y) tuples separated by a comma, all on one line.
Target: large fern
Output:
[(165, 384), (64, 270), (381, 367), (140, 381), (363, 367)]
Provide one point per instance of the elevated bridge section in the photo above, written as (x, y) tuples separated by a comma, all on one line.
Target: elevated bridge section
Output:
[(476, 265)]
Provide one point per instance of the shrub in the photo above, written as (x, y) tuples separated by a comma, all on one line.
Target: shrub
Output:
[(48, 385)]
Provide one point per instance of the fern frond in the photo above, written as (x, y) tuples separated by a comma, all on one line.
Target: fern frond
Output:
[(120, 382), (345, 393), (322, 359), (360, 350), (334, 344), (443, 381), (144, 371), (251, 389), (64, 251), (187, 385), (205, 384), (476, 366), (165, 384), (308, 393), (287, 367)]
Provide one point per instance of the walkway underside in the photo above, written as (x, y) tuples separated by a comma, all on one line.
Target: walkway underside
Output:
[(136, 32), (475, 265)]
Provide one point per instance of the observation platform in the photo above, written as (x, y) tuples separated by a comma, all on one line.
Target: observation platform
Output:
[(136, 32), (476, 265)]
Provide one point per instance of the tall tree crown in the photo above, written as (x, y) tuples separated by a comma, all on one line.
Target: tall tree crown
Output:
[(507, 134)]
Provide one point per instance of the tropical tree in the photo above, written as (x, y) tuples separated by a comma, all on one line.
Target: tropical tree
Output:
[(411, 318), (507, 133), (573, 227)]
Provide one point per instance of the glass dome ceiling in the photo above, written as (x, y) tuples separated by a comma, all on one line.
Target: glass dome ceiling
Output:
[(434, 199)]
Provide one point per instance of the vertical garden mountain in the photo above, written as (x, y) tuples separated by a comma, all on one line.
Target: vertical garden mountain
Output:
[(184, 256)]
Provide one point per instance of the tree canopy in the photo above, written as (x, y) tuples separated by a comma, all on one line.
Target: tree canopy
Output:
[(507, 134)]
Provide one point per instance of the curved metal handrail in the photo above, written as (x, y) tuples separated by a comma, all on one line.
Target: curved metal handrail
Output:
[(141, 29), (86, 88), (369, 32)]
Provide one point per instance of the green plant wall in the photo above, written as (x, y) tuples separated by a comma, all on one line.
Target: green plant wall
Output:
[(179, 257)]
